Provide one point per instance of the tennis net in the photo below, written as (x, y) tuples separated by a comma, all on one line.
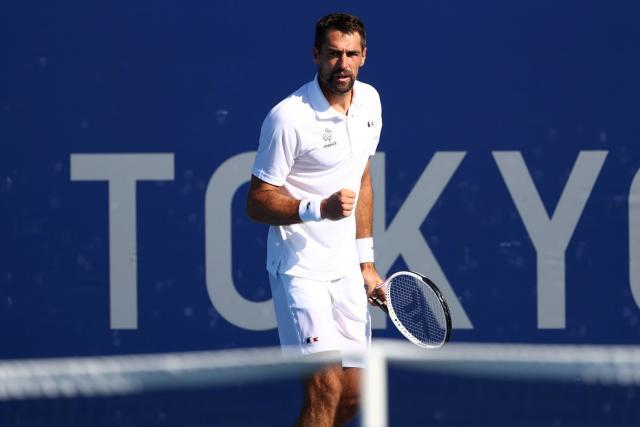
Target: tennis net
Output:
[(503, 385), (458, 385)]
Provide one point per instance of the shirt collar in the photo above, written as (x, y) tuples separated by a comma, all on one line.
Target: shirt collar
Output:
[(321, 105)]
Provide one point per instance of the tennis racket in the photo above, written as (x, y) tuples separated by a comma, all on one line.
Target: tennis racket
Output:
[(417, 308)]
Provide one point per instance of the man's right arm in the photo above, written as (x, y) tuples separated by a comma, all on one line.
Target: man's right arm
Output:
[(268, 204)]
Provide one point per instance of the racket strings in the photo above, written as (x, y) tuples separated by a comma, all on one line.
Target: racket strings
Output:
[(418, 309)]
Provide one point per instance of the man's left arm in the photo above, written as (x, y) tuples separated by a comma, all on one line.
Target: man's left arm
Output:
[(364, 230)]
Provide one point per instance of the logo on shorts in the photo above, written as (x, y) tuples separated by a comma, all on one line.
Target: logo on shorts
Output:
[(311, 340)]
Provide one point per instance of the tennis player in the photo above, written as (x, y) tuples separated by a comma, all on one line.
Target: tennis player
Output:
[(311, 182)]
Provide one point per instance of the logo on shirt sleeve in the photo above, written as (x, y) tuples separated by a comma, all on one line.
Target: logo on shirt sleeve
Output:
[(311, 340)]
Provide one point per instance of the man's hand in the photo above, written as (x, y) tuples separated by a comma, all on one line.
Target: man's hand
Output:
[(339, 205), (371, 280)]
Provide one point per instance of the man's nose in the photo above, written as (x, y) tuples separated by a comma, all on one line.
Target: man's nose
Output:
[(342, 61)]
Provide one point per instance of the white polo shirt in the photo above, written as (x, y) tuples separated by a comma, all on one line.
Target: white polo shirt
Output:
[(312, 150)]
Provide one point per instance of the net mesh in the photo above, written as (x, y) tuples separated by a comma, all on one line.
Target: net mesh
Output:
[(458, 385), (240, 404), (418, 309), (471, 401)]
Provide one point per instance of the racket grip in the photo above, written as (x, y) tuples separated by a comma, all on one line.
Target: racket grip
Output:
[(380, 304)]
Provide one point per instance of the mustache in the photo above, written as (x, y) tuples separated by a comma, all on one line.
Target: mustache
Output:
[(337, 73)]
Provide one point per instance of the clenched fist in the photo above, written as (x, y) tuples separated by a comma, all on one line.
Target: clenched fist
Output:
[(339, 205)]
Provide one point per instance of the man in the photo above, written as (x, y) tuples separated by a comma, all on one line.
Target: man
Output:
[(311, 182)]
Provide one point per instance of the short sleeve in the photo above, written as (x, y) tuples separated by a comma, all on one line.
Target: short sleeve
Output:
[(276, 151), (378, 121)]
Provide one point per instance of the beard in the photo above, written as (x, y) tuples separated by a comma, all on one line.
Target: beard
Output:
[(331, 82)]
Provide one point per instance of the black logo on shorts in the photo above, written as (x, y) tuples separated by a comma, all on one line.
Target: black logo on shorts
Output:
[(311, 340)]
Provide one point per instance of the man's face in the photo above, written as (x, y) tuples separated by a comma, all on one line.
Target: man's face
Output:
[(339, 60)]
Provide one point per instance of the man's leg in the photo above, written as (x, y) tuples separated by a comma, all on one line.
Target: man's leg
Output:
[(306, 327), (331, 397), (349, 404), (322, 394)]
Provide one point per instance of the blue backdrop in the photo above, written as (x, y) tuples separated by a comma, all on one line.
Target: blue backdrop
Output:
[(506, 170), (508, 156)]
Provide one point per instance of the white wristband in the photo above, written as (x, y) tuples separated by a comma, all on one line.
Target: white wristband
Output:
[(309, 210), (365, 249)]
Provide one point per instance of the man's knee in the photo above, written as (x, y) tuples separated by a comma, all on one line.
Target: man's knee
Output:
[(324, 386)]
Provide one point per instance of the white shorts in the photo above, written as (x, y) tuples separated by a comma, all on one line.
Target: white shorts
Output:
[(315, 316)]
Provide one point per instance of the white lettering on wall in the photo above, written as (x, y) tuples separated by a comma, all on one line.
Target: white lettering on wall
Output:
[(403, 236), (550, 236), (243, 313), (634, 238), (122, 172)]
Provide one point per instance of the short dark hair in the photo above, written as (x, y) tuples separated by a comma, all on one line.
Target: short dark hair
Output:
[(343, 22)]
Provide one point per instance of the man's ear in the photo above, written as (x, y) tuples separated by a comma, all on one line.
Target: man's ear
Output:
[(316, 55), (364, 56)]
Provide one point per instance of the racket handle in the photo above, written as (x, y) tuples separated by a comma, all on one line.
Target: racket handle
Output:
[(380, 304)]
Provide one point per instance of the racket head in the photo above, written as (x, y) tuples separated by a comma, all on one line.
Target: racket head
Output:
[(418, 309)]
